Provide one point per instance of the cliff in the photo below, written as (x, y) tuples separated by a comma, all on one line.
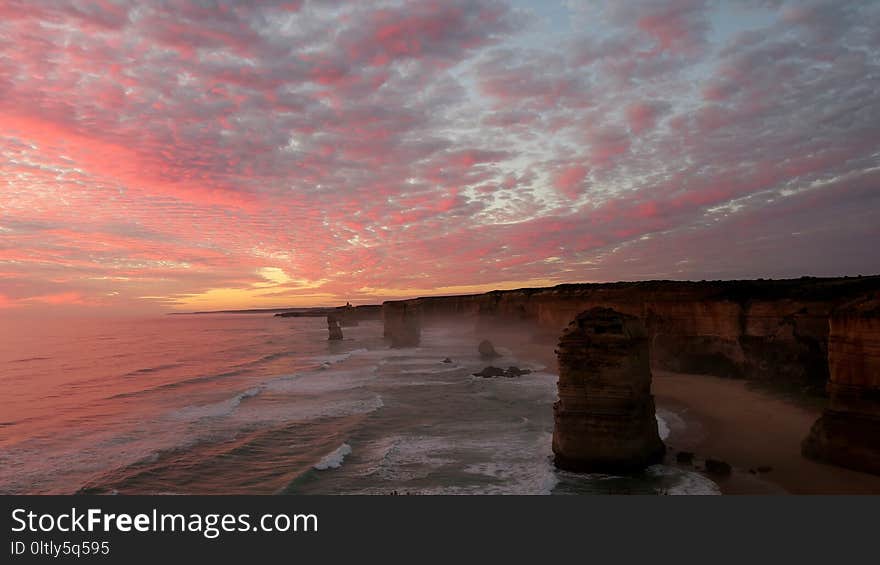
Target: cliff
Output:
[(346, 314), (762, 329), (604, 418), (848, 432)]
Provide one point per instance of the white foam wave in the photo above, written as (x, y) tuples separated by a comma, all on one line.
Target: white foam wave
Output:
[(327, 360), (311, 408), (537, 477), (405, 458), (662, 427), (509, 466), (216, 409), (340, 409), (668, 423), (432, 370), (334, 459), (427, 361), (683, 482)]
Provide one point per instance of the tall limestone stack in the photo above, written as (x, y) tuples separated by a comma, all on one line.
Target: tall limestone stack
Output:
[(333, 328), (403, 323), (604, 418), (848, 432)]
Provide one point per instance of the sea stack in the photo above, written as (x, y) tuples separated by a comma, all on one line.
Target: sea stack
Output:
[(333, 328), (848, 432), (403, 324), (604, 418)]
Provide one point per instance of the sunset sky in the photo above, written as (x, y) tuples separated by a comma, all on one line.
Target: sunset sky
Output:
[(202, 155)]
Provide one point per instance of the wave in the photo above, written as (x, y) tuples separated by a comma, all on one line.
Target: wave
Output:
[(317, 382), (432, 371), (350, 408), (131, 473), (662, 427), (523, 477), (317, 409), (176, 384), (155, 369), (30, 359), (334, 459), (405, 458), (216, 409), (668, 422), (327, 360), (405, 360), (681, 482)]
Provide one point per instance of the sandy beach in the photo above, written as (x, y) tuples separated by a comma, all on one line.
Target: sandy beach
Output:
[(749, 428)]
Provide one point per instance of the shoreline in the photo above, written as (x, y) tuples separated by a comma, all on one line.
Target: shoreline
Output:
[(727, 419), (745, 426)]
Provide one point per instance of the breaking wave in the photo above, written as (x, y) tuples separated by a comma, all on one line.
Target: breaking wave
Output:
[(334, 459)]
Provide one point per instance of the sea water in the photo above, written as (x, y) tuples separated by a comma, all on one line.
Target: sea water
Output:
[(241, 403)]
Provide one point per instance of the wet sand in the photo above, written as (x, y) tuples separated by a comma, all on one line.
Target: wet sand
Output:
[(748, 428), (729, 420)]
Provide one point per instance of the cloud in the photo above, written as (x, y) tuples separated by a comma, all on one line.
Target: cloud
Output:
[(642, 116), (62, 298), (570, 180), (273, 153)]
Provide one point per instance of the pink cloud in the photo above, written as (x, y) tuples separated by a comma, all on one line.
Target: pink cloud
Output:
[(675, 25), (643, 116), (63, 298), (353, 146), (570, 180), (439, 31), (608, 144)]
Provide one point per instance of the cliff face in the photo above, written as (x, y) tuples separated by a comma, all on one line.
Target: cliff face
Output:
[(348, 314), (778, 331), (604, 418), (848, 432), (772, 330)]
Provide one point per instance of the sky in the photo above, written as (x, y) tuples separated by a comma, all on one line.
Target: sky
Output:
[(196, 155)]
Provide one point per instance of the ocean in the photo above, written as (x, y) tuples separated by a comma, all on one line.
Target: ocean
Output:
[(242, 403)]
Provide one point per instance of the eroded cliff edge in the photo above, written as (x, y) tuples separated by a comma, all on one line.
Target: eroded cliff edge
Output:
[(772, 330)]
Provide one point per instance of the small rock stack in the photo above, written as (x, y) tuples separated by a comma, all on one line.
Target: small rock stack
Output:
[(604, 418), (333, 328)]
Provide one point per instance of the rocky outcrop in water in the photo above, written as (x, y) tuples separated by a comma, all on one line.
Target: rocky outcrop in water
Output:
[(486, 349), (510, 372), (403, 323), (718, 467), (333, 328), (848, 432), (604, 418)]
